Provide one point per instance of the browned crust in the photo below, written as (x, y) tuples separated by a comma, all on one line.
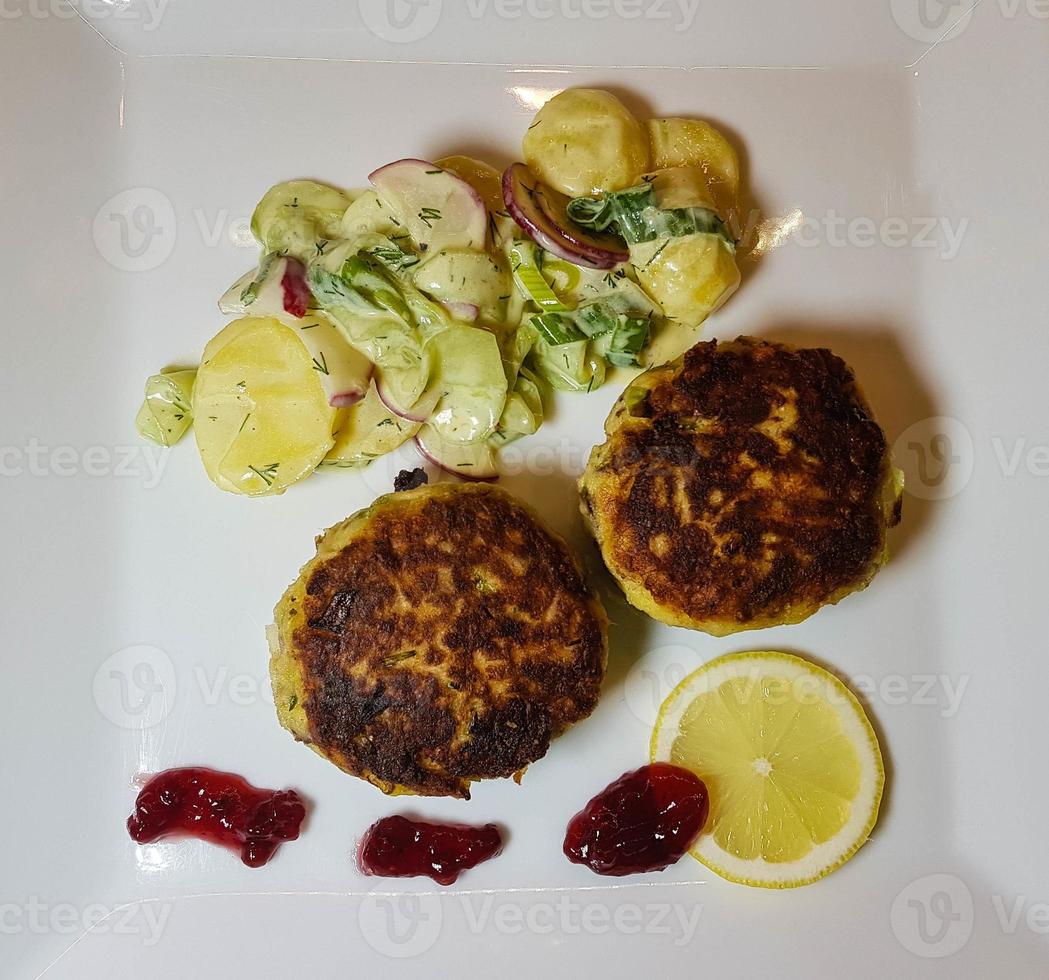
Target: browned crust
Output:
[(448, 640), (743, 486)]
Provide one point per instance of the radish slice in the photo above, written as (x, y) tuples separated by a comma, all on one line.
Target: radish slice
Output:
[(346, 399), (279, 289), (231, 301), (296, 290), (344, 371), (528, 202), (470, 462), (260, 292), (282, 292), (437, 208), (467, 312), (419, 412)]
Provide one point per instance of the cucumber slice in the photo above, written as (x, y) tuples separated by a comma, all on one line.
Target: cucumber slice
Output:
[(465, 357), (468, 367), (407, 392), (395, 348), (470, 462), (463, 276), (569, 367), (367, 215), (366, 431), (523, 413), (166, 414), (299, 217), (516, 346)]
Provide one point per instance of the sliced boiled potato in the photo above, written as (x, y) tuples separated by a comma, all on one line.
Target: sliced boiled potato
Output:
[(689, 277), (481, 176), (585, 141), (366, 431), (229, 333), (261, 416), (682, 187), (695, 143)]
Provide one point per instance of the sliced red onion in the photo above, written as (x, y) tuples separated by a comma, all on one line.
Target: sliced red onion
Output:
[(419, 412), (353, 382), (346, 399), (525, 198), (555, 207)]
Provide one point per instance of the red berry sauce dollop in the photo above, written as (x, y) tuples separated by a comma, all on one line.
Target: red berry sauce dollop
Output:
[(644, 821), (218, 807), (396, 847)]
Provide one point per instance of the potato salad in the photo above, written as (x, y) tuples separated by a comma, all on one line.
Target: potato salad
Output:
[(445, 302)]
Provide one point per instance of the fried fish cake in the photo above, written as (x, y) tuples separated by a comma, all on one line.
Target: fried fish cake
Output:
[(440, 636), (744, 485)]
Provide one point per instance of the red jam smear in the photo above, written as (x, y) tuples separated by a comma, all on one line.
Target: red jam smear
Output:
[(219, 807), (296, 288), (644, 821), (396, 847)]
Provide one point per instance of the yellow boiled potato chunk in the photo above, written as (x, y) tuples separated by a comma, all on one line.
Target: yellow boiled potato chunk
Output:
[(689, 277), (481, 176), (695, 143), (262, 419), (585, 141)]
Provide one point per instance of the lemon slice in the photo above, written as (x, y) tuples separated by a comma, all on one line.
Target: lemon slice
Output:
[(791, 763), (261, 417)]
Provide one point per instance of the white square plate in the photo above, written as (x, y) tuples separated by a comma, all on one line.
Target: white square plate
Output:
[(901, 182)]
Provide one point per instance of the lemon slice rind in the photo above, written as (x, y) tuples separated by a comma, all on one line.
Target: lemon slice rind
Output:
[(824, 857)]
